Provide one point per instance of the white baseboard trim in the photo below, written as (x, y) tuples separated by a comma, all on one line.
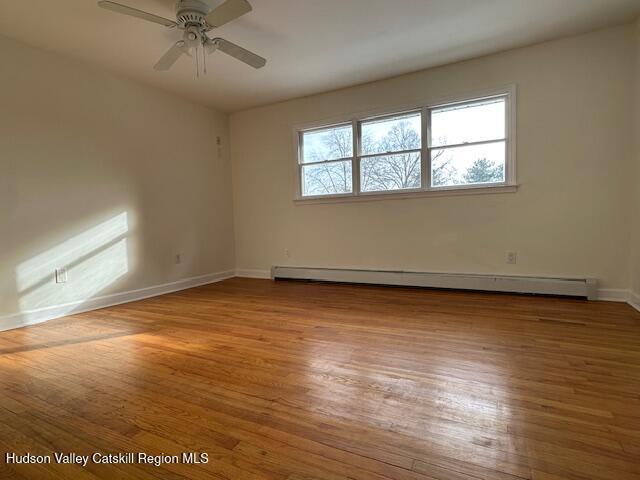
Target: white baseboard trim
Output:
[(32, 317), (244, 273), (634, 300), (613, 295)]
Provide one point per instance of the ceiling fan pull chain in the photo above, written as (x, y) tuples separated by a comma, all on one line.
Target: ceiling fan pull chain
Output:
[(204, 58), (197, 62)]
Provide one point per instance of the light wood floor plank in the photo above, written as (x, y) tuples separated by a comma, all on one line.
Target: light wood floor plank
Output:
[(291, 381)]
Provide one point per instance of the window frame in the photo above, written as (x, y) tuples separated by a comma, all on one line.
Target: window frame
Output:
[(302, 164), (360, 156), (425, 189)]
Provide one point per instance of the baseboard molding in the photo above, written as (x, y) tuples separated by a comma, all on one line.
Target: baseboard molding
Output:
[(32, 317), (613, 295), (244, 273), (634, 300)]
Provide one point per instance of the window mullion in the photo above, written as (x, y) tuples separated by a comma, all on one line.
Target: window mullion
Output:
[(320, 162), (355, 162), (388, 154), (470, 144), (425, 156)]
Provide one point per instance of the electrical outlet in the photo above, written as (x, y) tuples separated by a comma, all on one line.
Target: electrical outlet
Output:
[(61, 275), (511, 257), (287, 253), (178, 258)]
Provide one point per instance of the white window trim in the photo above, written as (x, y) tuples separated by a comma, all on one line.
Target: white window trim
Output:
[(426, 190)]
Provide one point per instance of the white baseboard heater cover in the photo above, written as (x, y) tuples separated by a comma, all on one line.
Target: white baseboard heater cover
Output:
[(576, 287)]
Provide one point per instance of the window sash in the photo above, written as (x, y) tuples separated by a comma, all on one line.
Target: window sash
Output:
[(321, 129), (465, 103), (391, 190), (474, 184), (325, 195), (390, 116), (425, 150)]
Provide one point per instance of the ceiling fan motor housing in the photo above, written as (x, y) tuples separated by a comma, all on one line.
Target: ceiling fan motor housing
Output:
[(192, 13)]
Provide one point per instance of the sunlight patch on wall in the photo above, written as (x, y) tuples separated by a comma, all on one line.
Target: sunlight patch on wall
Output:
[(94, 260)]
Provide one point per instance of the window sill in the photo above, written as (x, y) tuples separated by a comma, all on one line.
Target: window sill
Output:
[(434, 192)]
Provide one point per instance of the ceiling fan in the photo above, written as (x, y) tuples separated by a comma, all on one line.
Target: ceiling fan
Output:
[(196, 18)]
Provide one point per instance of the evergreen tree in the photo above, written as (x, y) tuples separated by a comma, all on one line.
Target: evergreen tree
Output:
[(484, 171)]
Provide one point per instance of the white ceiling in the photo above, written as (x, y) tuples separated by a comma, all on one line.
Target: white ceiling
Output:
[(311, 45)]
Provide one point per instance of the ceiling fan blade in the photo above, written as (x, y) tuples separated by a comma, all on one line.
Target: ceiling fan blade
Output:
[(171, 57), (229, 10), (134, 12), (236, 51)]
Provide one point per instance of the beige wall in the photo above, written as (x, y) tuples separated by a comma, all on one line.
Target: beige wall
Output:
[(92, 177), (569, 217), (107, 177), (635, 178)]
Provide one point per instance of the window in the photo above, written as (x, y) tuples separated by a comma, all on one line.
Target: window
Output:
[(390, 153), (455, 146), (468, 143), (327, 161)]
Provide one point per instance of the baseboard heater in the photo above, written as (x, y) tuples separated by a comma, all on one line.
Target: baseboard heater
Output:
[(575, 287)]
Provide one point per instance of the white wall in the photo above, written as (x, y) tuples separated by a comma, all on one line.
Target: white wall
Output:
[(569, 217), (635, 178), (107, 177)]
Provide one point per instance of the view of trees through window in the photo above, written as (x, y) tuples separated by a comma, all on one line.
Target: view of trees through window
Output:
[(391, 150), (468, 147), (468, 143)]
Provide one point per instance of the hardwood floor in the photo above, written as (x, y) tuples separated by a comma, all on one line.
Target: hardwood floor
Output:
[(306, 381)]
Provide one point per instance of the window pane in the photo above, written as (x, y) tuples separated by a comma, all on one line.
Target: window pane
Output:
[(390, 172), (391, 134), (468, 165), (471, 122), (326, 178), (327, 144)]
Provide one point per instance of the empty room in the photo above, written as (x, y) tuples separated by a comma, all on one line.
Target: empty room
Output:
[(320, 239)]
